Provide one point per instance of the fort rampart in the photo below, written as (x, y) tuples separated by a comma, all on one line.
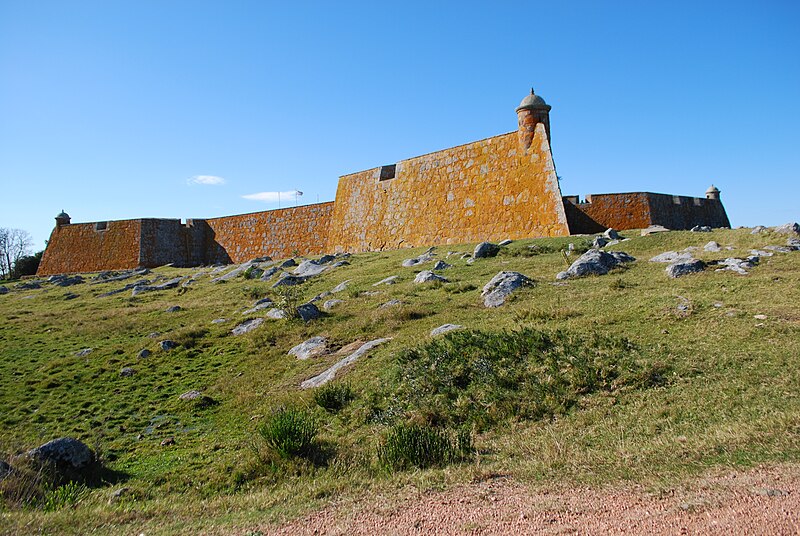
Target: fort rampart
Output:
[(500, 187)]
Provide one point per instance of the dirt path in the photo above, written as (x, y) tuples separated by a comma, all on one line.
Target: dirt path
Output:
[(759, 501)]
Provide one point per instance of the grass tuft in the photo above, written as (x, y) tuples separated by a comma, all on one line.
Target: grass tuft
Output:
[(415, 445)]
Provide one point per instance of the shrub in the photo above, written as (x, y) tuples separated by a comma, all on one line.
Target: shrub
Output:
[(68, 494), (333, 397), (482, 378), (288, 297), (290, 433), (414, 445)]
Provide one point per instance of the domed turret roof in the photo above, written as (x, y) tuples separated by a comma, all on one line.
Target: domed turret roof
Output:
[(62, 216), (533, 102), (712, 190)]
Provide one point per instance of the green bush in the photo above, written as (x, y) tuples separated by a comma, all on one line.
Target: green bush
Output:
[(414, 445), (333, 397), (290, 433), (69, 494), (482, 378)]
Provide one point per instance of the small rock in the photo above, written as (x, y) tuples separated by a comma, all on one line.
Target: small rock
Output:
[(485, 250), (308, 269), (286, 279), (779, 249), (330, 374), (70, 296), (611, 234), (3, 290), (595, 262), (127, 372), (758, 229), (65, 453), (143, 354), (84, 352), (444, 328), (253, 272), (441, 265), (173, 309), (312, 347), (263, 303), (700, 229), (390, 303), (65, 280), (599, 242), (760, 317), (154, 335), (325, 259), (712, 246), (672, 256), (339, 264), (308, 312), (791, 228), (426, 276), (247, 326), (791, 242), (505, 242), (167, 345), (330, 304), (740, 266), (425, 257), (31, 285), (219, 320), (341, 286), (654, 229), (268, 273), (276, 314), (501, 286), (391, 280), (168, 441), (682, 268), (194, 394), (288, 263), (117, 494)]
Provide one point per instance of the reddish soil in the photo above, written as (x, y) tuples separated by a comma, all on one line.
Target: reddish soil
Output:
[(759, 501)]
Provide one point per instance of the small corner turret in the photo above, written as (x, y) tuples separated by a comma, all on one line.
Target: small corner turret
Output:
[(531, 111), (62, 219), (712, 193)]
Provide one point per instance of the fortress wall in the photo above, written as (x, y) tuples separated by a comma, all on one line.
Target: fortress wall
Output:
[(638, 210), (601, 211), (485, 190), (680, 212), (80, 247), (277, 233), (163, 241)]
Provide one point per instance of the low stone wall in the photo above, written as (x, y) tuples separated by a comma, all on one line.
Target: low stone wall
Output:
[(92, 247), (277, 233)]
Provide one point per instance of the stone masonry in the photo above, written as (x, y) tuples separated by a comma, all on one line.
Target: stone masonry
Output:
[(500, 187)]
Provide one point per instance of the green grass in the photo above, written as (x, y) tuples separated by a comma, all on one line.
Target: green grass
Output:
[(629, 386)]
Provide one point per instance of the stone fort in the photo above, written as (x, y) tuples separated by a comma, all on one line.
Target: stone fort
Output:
[(492, 189)]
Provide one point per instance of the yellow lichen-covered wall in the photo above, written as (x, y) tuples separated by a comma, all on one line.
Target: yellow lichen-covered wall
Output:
[(485, 190), (277, 233), (81, 247)]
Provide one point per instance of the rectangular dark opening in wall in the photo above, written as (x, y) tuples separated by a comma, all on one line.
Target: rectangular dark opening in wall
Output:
[(387, 172), (101, 226)]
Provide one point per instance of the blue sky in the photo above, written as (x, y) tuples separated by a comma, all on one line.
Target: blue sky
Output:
[(108, 109)]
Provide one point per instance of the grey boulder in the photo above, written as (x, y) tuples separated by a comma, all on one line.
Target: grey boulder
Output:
[(497, 290), (712, 246), (310, 348), (672, 256), (595, 262), (444, 328), (485, 250), (426, 276), (308, 312), (247, 326), (686, 267), (64, 452), (792, 228), (330, 304)]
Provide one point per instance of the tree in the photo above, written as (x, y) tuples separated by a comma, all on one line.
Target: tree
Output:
[(27, 265), (14, 244)]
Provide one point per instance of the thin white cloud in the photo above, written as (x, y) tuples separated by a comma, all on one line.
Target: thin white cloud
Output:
[(274, 197), (211, 180)]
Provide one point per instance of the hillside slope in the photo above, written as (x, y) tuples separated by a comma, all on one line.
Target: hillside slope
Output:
[(650, 379)]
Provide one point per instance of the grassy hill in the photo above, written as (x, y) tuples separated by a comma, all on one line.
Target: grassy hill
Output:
[(627, 376)]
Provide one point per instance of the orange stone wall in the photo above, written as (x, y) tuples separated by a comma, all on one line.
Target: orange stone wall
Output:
[(80, 248), (485, 190), (601, 211), (277, 233), (637, 210)]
